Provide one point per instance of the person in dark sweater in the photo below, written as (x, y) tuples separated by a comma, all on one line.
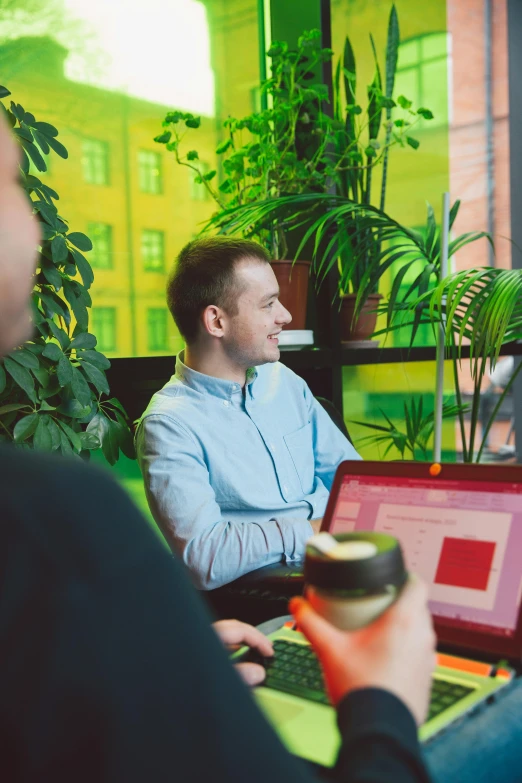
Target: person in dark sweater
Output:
[(109, 667)]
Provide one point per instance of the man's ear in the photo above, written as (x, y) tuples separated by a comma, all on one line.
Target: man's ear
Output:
[(212, 319)]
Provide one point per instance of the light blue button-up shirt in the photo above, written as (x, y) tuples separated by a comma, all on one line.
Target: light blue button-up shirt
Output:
[(233, 475)]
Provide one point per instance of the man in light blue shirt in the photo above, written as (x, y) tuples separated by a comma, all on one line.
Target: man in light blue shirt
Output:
[(237, 456)]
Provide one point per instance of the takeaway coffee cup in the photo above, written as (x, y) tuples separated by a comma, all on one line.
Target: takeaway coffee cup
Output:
[(356, 580)]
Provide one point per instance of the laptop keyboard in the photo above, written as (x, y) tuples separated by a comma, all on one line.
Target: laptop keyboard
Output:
[(295, 669)]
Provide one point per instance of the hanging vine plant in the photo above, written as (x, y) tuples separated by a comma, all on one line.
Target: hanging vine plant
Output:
[(54, 393)]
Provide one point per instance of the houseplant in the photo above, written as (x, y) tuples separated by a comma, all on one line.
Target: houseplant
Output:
[(52, 388), (279, 150), (352, 152), (279, 159)]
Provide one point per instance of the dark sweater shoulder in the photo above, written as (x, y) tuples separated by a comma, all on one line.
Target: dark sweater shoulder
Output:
[(74, 515)]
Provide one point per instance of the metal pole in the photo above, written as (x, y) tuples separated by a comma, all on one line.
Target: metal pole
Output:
[(439, 381)]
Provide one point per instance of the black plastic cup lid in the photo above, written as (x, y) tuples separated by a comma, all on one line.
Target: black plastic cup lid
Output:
[(385, 567)]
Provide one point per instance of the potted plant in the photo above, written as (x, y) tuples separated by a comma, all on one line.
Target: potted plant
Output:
[(52, 387), (355, 145), (278, 151)]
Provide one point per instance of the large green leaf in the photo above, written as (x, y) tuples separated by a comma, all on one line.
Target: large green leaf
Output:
[(96, 376), (25, 358), (25, 427), (21, 376), (42, 439), (79, 240), (80, 387), (3, 379)]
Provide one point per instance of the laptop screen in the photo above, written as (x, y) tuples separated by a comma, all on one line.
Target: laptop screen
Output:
[(464, 538)]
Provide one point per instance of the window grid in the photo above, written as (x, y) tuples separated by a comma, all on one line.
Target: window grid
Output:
[(198, 191), (422, 67), (100, 235), (104, 328), (153, 250), (95, 162), (157, 336), (149, 171)]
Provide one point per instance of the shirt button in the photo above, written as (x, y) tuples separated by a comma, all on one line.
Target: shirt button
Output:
[(226, 403)]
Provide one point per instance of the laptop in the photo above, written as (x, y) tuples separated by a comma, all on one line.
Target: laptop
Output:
[(460, 528)]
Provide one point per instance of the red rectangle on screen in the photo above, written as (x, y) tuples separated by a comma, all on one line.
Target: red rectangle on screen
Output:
[(465, 563)]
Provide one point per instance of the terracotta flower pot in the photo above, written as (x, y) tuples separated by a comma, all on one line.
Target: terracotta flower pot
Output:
[(292, 277), (364, 327)]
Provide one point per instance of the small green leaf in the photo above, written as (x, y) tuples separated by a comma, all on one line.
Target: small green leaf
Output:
[(64, 371), (94, 357), (52, 352), (403, 102), (84, 340), (223, 147), (79, 240), (4, 92), (192, 122), (54, 433), (59, 249), (426, 113), (84, 268), (58, 148), (89, 440), (163, 138), (73, 436), (192, 155), (80, 387), (25, 427), (60, 335), (99, 426), (13, 406), (46, 129), (412, 142)]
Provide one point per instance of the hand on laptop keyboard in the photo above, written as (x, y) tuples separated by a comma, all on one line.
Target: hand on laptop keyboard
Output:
[(396, 652), (234, 635)]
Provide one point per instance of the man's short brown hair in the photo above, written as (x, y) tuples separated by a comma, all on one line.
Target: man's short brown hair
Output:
[(203, 275)]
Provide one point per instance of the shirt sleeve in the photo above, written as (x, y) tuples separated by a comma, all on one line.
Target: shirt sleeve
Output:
[(331, 447), (183, 503), (380, 742)]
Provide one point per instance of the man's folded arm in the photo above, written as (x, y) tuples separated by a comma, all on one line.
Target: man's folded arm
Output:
[(183, 503)]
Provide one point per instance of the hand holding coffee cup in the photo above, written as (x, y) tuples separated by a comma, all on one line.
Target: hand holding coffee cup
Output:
[(374, 656), (353, 577)]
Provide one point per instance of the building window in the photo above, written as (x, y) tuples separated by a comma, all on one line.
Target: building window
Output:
[(157, 337), (104, 328), (423, 75), (95, 162), (149, 168), (198, 191), (153, 250), (100, 235)]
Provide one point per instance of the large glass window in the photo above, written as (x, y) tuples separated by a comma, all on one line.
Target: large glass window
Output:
[(68, 62), (422, 73), (100, 235), (157, 334), (153, 250), (103, 325), (95, 162), (149, 171)]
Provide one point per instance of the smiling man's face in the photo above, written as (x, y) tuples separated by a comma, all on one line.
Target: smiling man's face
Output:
[(19, 237), (251, 335)]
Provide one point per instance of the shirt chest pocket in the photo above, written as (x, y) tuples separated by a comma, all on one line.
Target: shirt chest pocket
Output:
[(301, 448)]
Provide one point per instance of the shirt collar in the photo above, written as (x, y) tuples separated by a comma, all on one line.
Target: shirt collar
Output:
[(208, 384)]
